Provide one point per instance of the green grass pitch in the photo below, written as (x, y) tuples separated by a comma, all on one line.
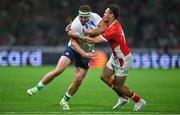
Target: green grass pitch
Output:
[(160, 89)]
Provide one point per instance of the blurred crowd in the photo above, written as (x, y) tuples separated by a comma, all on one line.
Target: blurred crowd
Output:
[(147, 23)]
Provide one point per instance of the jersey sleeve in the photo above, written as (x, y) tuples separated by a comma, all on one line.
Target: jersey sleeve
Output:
[(109, 33)]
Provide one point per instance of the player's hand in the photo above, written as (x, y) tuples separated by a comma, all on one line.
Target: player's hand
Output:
[(88, 31), (90, 55)]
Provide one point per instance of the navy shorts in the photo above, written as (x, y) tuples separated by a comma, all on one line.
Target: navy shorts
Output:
[(76, 58)]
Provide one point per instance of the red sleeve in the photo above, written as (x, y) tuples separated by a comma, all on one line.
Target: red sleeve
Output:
[(109, 33)]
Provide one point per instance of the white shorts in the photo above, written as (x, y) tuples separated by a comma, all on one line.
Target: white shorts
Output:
[(120, 70)]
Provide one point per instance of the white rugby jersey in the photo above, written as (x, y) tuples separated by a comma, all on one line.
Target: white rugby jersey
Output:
[(78, 28)]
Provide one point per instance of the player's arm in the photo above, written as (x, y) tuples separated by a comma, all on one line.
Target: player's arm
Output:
[(76, 47), (101, 27), (79, 50), (97, 39), (107, 35), (73, 35)]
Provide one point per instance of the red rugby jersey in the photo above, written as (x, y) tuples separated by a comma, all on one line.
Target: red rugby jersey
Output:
[(115, 36)]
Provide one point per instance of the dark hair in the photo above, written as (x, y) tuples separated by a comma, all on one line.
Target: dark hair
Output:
[(84, 8), (115, 10)]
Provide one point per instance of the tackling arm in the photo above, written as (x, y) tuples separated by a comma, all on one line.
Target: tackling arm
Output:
[(100, 28), (97, 39)]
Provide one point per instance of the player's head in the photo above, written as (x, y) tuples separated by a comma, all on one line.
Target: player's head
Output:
[(112, 11), (84, 13)]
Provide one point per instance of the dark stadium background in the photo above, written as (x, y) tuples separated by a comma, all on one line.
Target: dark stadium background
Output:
[(28, 25), (147, 23)]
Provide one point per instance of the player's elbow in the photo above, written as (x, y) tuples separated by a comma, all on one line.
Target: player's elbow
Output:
[(70, 33)]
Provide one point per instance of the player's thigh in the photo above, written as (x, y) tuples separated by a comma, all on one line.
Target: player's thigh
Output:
[(63, 63)]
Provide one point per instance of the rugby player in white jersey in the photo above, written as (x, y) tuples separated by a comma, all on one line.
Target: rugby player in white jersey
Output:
[(77, 52)]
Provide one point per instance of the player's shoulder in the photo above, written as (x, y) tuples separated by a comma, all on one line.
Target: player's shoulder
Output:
[(116, 24), (75, 26), (76, 21), (117, 27), (95, 15)]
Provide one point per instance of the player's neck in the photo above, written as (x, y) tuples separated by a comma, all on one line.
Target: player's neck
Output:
[(111, 21)]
